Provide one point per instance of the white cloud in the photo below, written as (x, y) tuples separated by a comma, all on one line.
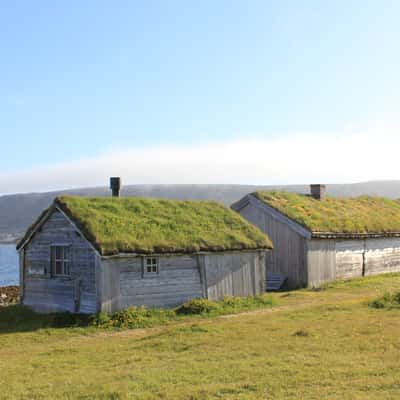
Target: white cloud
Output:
[(300, 158)]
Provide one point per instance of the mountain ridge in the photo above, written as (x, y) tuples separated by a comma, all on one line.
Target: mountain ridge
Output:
[(18, 211)]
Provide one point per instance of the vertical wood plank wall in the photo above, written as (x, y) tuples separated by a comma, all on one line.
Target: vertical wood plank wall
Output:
[(311, 262), (45, 293), (382, 256), (289, 254), (349, 258), (330, 259), (180, 278), (321, 261), (235, 274)]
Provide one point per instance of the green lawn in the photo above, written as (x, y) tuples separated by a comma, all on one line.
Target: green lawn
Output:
[(311, 345)]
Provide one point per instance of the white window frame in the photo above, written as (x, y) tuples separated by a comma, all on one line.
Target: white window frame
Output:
[(64, 259), (151, 266)]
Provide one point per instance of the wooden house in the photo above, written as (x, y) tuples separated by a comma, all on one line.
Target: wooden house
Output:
[(319, 238), (104, 254)]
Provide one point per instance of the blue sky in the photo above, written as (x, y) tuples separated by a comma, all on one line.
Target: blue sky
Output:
[(84, 83)]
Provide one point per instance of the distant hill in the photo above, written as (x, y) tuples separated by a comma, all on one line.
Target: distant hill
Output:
[(18, 211)]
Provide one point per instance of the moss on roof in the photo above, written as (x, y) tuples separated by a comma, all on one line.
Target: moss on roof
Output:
[(137, 225), (360, 215)]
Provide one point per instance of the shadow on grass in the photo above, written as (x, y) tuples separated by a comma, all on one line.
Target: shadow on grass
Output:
[(17, 318)]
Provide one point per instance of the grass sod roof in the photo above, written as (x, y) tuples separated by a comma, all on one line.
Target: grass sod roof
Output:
[(138, 225), (360, 215)]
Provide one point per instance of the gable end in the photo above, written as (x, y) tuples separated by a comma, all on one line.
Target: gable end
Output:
[(43, 218), (252, 200)]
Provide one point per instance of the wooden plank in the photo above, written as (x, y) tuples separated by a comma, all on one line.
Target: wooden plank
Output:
[(321, 260), (233, 274)]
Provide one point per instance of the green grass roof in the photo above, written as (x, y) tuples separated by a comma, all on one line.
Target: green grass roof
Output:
[(137, 225), (360, 215)]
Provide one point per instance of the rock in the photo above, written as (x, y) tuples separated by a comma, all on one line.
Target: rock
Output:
[(9, 295)]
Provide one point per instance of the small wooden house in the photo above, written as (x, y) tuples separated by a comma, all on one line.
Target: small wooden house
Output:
[(318, 238), (104, 254)]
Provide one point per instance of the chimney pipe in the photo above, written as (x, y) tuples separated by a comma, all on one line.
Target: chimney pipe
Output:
[(318, 192), (115, 185)]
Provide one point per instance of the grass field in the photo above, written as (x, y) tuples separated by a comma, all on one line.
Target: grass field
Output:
[(310, 345)]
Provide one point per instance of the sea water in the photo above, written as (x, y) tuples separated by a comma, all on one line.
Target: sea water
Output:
[(9, 274)]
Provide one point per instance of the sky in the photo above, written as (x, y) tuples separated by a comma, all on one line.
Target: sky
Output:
[(227, 91)]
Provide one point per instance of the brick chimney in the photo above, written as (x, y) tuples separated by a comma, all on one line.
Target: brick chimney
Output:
[(318, 192), (115, 186)]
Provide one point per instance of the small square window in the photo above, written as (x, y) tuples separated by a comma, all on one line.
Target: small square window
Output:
[(151, 265)]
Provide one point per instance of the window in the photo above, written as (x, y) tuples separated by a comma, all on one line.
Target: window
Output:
[(150, 265), (60, 260)]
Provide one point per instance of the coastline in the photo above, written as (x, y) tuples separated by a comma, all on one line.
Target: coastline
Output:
[(9, 241)]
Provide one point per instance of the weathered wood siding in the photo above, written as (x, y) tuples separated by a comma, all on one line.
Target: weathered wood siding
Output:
[(330, 259), (349, 258), (382, 256), (321, 262), (45, 293), (50, 295), (289, 254), (233, 274), (123, 283), (311, 262)]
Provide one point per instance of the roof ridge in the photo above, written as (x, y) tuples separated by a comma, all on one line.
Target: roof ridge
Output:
[(148, 226), (337, 216)]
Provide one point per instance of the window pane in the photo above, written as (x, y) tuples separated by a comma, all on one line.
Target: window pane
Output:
[(59, 268), (58, 253), (60, 259), (151, 265)]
